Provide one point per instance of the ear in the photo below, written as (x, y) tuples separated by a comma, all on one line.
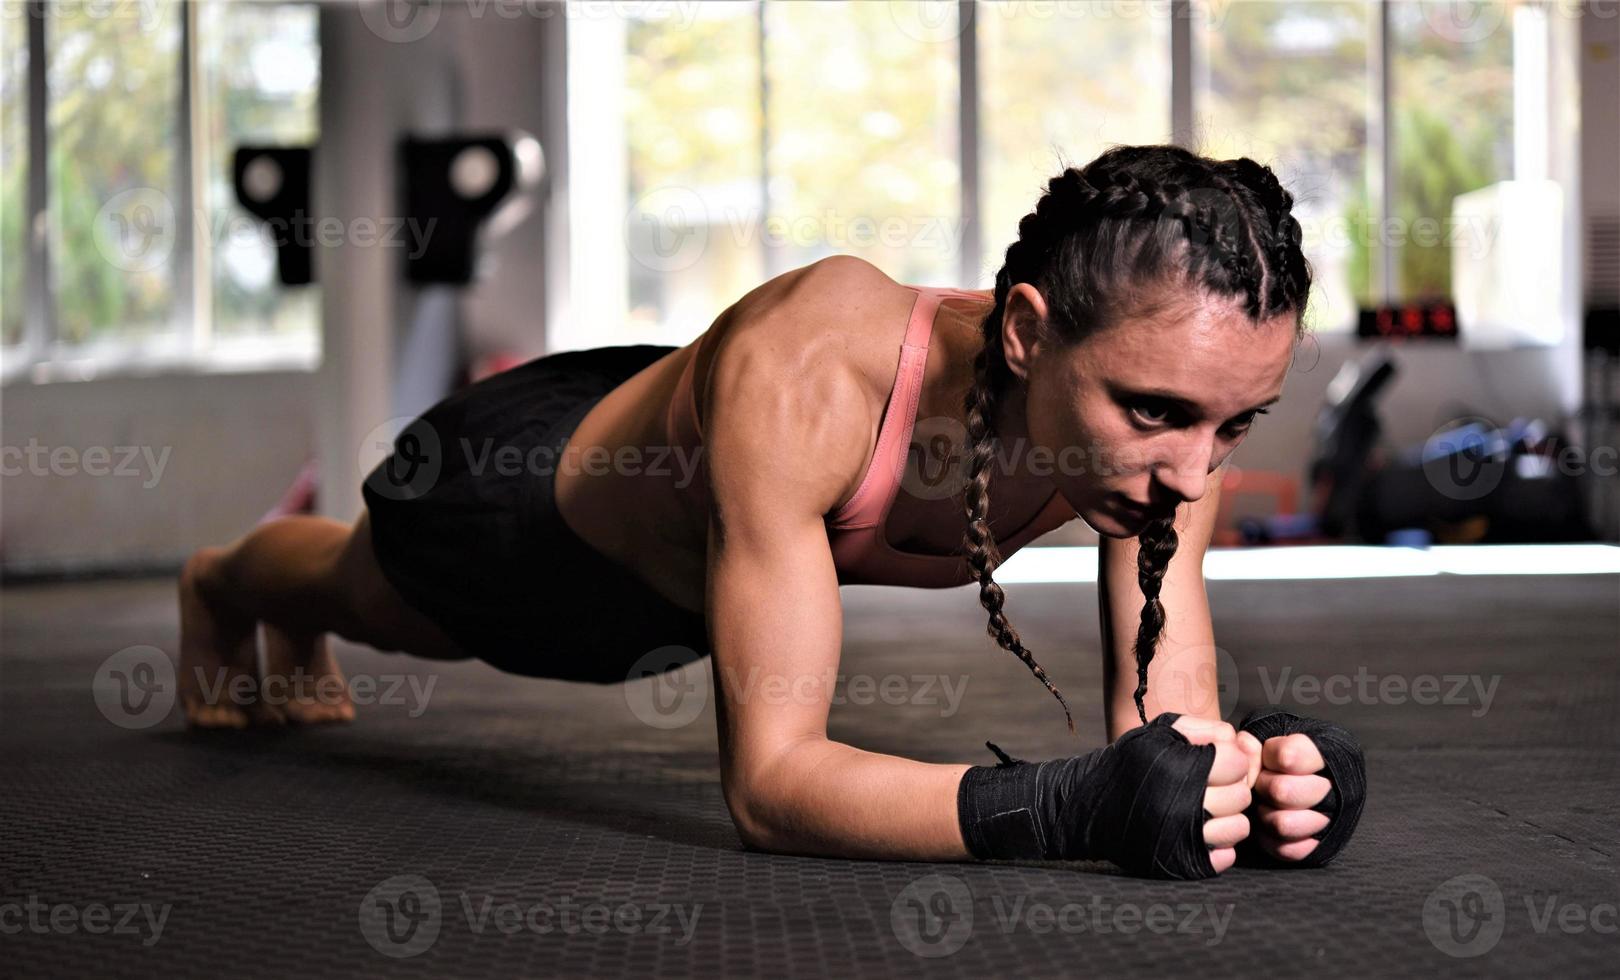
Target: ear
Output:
[(1021, 327)]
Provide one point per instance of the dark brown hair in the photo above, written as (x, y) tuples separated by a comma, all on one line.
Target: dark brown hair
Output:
[(1102, 243)]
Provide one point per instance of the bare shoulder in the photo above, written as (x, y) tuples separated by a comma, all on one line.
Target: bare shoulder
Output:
[(799, 373)]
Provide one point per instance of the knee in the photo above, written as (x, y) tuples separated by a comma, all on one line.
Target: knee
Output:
[(204, 572)]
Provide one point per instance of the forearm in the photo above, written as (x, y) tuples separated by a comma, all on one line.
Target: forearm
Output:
[(817, 796), (1182, 675)]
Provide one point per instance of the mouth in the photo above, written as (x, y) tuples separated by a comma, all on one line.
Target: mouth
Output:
[(1132, 507), (1134, 511)]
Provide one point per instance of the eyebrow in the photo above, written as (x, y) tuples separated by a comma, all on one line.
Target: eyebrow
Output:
[(1191, 407)]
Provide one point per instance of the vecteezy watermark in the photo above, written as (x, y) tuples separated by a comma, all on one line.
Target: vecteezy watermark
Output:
[(135, 230), (668, 228), (403, 458), (941, 21), (1468, 458), (1367, 688), (222, 686), (1198, 679), (665, 688), (404, 21), (1466, 916), (137, 686), (934, 916), (938, 462), (148, 15), (404, 916), (666, 691), (400, 916), (145, 463), (42, 918)]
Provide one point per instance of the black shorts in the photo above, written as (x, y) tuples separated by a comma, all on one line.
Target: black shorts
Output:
[(464, 523)]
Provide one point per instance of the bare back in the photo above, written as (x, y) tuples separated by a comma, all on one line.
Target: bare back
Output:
[(826, 338)]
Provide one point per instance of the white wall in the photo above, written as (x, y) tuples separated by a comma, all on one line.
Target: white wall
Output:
[(215, 452)]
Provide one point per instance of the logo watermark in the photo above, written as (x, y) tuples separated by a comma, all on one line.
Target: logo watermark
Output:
[(666, 690), (403, 458), (136, 688), (136, 229), (404, 916), (406, 21), (34, 915), (934, 917), (1466, 916), (145, 463)]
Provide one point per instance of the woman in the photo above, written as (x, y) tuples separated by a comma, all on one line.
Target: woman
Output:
[(1147, 313)]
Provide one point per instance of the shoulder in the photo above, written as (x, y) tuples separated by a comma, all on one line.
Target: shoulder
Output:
[(799, 374)]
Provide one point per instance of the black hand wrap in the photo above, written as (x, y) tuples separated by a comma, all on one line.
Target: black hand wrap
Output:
[(1138, 803), (1345, 767)]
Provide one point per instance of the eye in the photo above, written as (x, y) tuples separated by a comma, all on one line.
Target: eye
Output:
[(1153, 411), (1240, 428)]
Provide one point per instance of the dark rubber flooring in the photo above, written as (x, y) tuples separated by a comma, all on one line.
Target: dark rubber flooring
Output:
[(495, 825)]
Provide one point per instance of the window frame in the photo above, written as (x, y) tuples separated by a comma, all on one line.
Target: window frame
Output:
[(40, 356)]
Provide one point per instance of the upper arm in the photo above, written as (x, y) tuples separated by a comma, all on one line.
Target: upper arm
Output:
[(781, 455)]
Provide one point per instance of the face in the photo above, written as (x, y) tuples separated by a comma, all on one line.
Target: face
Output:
[(1138, 416)]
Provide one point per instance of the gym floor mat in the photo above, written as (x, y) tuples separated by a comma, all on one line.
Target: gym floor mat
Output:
[(470, 823)]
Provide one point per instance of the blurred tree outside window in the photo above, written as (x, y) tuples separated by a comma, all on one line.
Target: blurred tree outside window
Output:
[(1287, 85), (129, 245), (260, 65), (863, 151), (756, 138), (1059, 84)]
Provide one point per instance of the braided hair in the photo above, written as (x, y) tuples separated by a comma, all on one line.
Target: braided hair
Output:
[(1135, 219)]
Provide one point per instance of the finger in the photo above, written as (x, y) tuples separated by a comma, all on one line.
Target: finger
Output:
[(1295, 754), (1289, 825), (1223, 801), (1231, 765), (1290, 792), (1222, 858), (1226, 831), (1297, 850), (1203, 731), (1251, 748)]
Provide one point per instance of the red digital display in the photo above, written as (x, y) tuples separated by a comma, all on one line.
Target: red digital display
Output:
[(1436, 320)]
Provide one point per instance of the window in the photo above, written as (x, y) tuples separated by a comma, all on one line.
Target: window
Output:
[(1453, 128), (113, 85), (1287, 83), (664, 160), (1058, 83), (260, 70), (13, 177), (756, 137), (862, 158), (148, 260)]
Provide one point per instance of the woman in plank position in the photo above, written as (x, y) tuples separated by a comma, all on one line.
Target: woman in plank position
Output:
[(1147, 313)]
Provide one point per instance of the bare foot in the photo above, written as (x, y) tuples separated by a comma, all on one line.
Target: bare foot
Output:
[(219, 681), (303, 678)]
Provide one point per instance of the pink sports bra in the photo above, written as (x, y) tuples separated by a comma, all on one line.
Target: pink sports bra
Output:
[(855, 529)]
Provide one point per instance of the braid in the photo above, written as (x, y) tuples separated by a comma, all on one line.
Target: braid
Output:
[(1156, 546), (990, 375), (1100, 243)]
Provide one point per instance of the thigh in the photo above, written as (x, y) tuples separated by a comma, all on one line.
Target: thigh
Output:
[(378, 615)]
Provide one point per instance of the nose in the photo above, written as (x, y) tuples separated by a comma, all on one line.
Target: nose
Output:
[(1185, 472)]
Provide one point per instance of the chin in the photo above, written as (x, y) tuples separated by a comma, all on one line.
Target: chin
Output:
[(1110, 526)]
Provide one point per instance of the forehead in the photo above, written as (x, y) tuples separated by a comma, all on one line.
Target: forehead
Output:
[(1207, 352)]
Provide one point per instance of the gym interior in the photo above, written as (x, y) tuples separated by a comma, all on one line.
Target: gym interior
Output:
[(246, 243)]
